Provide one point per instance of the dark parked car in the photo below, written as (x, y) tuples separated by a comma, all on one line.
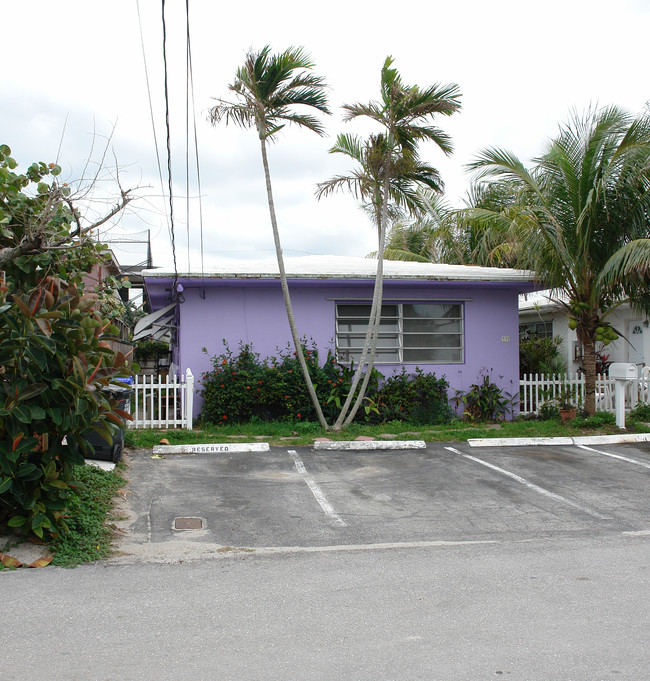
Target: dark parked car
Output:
[(105, 450)]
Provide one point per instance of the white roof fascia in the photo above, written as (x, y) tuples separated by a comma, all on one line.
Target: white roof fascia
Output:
[(340, 267)]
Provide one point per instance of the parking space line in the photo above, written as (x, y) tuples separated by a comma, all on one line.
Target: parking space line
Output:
[(532, 486), (315, 489), (615, 456)]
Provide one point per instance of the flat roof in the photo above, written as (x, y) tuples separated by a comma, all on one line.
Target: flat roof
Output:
[(342, 267)]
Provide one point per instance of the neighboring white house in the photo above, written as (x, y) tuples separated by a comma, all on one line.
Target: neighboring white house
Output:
[(541, 316)]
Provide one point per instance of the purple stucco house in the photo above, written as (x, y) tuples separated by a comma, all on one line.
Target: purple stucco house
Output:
[(456, 321)]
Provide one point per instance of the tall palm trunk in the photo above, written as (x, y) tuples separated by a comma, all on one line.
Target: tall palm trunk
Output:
[(377, 300), (285, 291), (589, 363)]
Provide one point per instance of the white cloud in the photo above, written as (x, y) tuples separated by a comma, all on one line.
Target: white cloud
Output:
[(521, 67)]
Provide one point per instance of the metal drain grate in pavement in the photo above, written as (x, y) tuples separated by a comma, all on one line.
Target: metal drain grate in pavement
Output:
[(188, 523)]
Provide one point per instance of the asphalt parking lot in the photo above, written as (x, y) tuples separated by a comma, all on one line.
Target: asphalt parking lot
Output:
[(450, 562), (298, 498)]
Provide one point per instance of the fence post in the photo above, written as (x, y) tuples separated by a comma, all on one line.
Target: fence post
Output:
[(189, 398)]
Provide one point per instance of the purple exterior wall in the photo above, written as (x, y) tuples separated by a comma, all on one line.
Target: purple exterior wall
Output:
[(252, 311)]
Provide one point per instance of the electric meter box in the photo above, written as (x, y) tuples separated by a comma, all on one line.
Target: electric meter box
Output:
[(623, 371)]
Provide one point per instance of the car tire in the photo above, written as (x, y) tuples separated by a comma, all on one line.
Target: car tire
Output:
[(116, 452)]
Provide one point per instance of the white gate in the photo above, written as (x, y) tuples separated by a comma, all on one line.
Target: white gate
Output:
[(163, 401)]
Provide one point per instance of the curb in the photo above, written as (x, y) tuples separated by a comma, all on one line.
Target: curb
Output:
[(212, 448), (536, 441), (362, 445)]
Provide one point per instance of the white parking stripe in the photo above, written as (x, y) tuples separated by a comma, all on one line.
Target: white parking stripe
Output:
[(615, 456), (532, 486), (316, 490)]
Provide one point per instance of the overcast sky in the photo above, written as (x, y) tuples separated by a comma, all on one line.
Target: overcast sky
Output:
[(73, 87)]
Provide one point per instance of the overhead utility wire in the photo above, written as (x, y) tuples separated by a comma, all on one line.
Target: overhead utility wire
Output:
[(169, 155), (153, 121), (196, 147), (187, 132)]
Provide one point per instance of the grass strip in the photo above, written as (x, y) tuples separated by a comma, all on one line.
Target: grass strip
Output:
[(88, 537), (283, 433)]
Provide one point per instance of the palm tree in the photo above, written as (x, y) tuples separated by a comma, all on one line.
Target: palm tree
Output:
[(417, 238), (584, 210), (267, 89), (439, 233), (390, 168)]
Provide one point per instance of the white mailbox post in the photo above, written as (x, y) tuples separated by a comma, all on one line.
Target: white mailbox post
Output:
[(622, 373)]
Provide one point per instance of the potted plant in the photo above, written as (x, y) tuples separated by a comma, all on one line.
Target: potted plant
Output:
[(567, 402)]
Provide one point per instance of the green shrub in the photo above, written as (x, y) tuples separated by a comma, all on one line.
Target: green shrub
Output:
[(418, 398), (242, 387), (55, 356), (147, 349), (598, 420), (540, 356), (484, 401), (549, 410), (56, 363), (640, 413)]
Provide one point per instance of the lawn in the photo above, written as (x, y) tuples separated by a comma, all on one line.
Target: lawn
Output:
[(279, 434)]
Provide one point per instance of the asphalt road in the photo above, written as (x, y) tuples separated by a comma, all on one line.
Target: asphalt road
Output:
[(447, 493), (446, 564)]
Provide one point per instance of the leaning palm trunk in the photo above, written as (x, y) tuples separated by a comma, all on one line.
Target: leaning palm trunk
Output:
[(267, 89), (285, 292), (383, 159), (372, 335)]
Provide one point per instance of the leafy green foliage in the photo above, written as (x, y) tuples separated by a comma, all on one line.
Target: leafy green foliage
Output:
[(548, 410), (87, 537), (640, 413), (38, 224), (484, 401), (582, 212), (242, 387), (601, 419), (54, 352), (539, 355), (56, 361), (417, 398), (145, 349)]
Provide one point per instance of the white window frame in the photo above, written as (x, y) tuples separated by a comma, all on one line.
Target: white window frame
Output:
[(400, 352)]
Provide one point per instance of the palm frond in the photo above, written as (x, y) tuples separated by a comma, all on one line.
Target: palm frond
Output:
[(232, 112), (371, 110), (630, 262), (402, 256), (350, 145), (268, 88)]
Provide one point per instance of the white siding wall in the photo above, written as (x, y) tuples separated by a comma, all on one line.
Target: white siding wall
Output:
[(618, 351)]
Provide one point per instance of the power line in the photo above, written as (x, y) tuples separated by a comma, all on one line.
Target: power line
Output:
[(187, 131), (196, 149), (169, 153), (153, 122)]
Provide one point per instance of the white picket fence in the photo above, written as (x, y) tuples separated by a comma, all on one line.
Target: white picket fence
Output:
[(163, 401), (534, 391)]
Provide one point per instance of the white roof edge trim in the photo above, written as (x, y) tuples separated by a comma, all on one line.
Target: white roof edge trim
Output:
[(342, 267)]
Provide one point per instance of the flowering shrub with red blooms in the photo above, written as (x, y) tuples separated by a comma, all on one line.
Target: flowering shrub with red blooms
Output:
[(241, 387)]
